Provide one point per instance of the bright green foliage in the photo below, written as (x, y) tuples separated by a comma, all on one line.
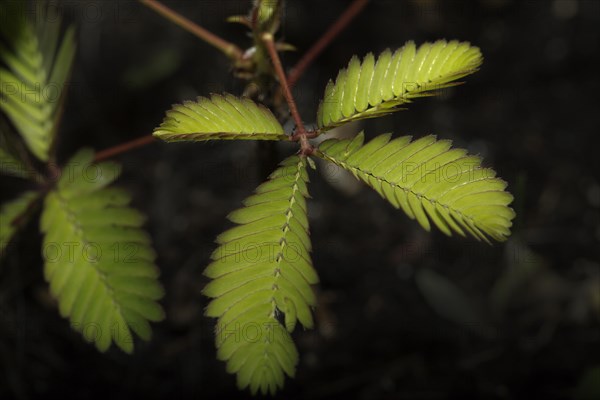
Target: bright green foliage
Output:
[(33, 81), (222, 117), (430, 181), (377, 87), (98, 262), (262, 273), (9, 212)]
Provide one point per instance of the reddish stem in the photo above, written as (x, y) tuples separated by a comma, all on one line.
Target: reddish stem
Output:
[(301, 133), (269, 42), (334, 30), (123, 148), (230, 49)]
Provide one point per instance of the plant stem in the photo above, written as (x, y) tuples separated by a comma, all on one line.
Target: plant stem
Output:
[(20, 219), (334, 30), (301, 133), (123, 148), (230, 49)]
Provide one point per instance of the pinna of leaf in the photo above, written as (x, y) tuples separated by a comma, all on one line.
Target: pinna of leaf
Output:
[(106, 294), (262, 268)]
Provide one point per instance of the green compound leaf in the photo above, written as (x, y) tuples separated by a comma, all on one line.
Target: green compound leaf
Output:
[(262, 274), (377, 87), (222, 117), (11, 211), (430, 182), (98, 261), (33, 80)]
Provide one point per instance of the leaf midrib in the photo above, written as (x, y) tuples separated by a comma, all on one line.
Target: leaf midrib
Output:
[(78, 229), (286, 227), (395, 185)]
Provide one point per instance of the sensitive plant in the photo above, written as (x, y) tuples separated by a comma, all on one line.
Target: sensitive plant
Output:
[(261, 272)]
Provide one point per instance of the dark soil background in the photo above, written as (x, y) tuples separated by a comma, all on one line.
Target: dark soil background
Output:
[(403, 314)]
